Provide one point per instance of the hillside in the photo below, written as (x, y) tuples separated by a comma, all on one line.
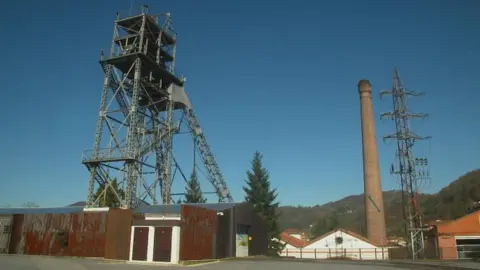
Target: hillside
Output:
[(449, 203)]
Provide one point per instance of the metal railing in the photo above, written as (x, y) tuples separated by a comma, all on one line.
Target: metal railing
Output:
[(107, 154), (337, 253)]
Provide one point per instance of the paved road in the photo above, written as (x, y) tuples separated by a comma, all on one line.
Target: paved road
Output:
[(55, 263)]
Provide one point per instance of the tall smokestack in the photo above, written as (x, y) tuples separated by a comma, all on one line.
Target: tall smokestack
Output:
[(374, 210)]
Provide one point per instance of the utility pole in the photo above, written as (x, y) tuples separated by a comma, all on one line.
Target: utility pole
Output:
[(412, 171)]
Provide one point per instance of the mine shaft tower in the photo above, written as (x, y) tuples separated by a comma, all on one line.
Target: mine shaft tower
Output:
[(412, 171), (141, 95)]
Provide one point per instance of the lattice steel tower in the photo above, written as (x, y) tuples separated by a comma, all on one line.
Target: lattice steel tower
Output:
[(412, 171), (143, 104)]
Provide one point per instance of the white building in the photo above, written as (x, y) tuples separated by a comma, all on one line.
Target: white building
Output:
[(338, 243)]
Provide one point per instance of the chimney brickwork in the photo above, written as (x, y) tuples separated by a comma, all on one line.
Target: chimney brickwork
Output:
[(374, 208)]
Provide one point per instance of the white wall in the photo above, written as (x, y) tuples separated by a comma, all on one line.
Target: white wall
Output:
[(327, 247), (296, 235), (349, 241), (175, 244)]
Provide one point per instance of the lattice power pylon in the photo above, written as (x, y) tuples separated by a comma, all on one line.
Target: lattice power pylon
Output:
[(412, 172), (143, 105)]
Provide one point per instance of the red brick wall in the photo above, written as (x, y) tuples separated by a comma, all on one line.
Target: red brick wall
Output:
[(448, 247)]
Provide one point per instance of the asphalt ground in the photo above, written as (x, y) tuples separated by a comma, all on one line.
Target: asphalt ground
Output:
[(12, 262)]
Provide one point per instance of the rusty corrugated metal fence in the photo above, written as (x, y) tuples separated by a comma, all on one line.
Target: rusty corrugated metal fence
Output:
[(198, 233), (78, 234), (119, 226)]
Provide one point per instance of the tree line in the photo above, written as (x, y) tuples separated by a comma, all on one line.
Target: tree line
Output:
[(258, 193)]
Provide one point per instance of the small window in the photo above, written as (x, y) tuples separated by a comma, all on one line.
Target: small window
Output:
[(338, 240), (7, 229)]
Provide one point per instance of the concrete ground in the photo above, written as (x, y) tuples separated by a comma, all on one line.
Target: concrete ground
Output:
[(55, 263)]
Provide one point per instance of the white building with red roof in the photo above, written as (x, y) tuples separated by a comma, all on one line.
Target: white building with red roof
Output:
[(339, 243)]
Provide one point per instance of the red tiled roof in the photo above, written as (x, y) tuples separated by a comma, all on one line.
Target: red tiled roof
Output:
[(285, 237)]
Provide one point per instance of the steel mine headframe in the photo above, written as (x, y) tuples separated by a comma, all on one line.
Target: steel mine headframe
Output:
[(143, 105)]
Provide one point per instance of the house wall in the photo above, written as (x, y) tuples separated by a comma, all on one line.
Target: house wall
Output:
[(198, 233), (78, 234), (287, 247), (448, 247), (226, 234), (467, 226), (349, 241), (257, 231), (326, 247)]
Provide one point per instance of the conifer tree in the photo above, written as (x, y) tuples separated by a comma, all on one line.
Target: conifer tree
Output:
[(193, 193), (260, 194), (109, 198)]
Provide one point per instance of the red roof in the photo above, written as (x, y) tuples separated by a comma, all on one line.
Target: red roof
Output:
[(285, 237)]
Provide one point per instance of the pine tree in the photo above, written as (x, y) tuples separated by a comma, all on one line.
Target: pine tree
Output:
[(109, 198), (261, 196), (193, 193)]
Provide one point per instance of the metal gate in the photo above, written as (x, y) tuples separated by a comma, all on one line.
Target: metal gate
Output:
[(6, 223)]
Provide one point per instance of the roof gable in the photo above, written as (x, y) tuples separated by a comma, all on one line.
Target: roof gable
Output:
[(353, 234)]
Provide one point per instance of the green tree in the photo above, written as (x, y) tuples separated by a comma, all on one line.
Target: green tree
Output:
[(326, 224), (193, 193), (260, 194), (109, 198)]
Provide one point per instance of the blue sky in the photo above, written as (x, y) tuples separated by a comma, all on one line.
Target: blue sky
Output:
[(275, 76)]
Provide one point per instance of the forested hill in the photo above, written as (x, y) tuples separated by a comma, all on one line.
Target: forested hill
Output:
[(449, 203)]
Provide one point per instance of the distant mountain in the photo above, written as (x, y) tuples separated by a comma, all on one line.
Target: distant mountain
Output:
[(450, 203), (80, 203)]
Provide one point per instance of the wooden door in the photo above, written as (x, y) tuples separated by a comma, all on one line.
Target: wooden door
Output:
[(163, 244), (140, 244)]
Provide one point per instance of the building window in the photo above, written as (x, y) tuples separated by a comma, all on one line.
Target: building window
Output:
[(7, 229)]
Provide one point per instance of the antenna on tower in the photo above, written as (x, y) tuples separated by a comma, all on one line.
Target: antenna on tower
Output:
[(411, 170)]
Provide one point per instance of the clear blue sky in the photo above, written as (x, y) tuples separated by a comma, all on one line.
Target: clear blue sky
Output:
[(275, 76)]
